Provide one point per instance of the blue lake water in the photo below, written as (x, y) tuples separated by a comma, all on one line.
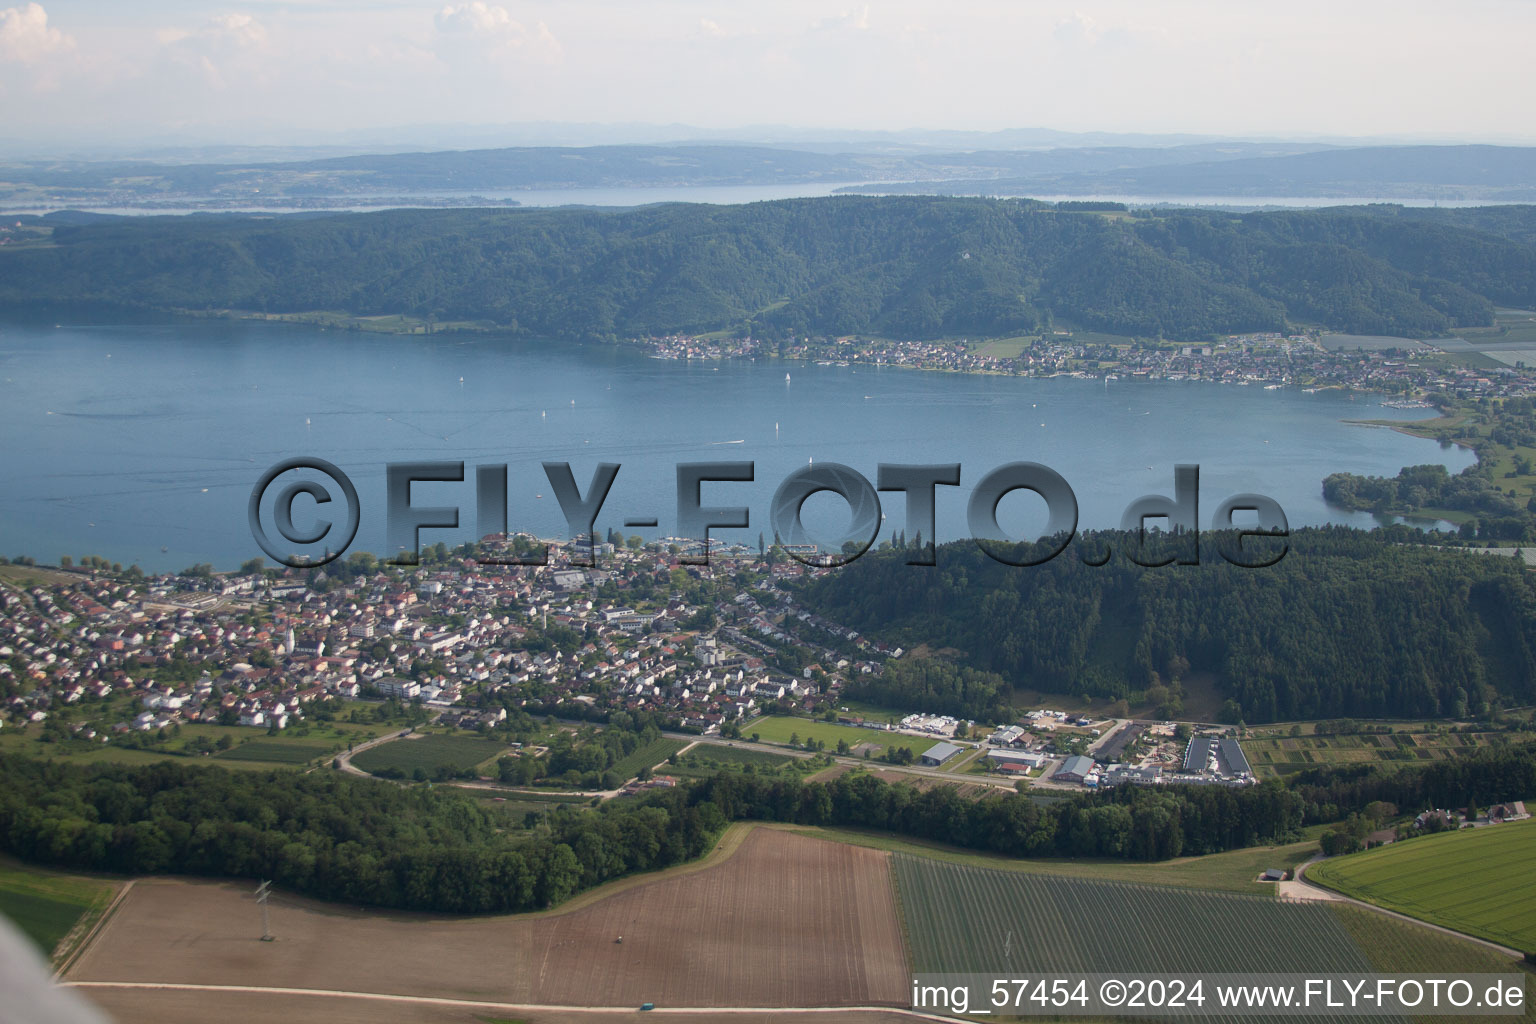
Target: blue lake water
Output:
[(121, 440)]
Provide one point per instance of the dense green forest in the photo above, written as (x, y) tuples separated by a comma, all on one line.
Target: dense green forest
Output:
[(1347, 623), (905, 267), (341, 838)]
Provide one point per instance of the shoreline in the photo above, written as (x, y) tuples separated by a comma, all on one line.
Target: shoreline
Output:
[(408, 326)]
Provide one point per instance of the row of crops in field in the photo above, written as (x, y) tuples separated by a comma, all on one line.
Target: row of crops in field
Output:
[(965, 919), (959, 919), (738, 755), (1477, 881), (428, 752), (648, 756)]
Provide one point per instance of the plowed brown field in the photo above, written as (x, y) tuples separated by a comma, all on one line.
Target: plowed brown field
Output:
[(787, 920)]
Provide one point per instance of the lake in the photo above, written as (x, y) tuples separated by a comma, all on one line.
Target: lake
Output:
[(124, 439), (631, 196)]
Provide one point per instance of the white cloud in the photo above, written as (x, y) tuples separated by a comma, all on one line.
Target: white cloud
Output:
[(222, 34), (223, 46), (491, 31), (240, 29), (1078, 28), (25, 36), (856, 20), (478, 17)]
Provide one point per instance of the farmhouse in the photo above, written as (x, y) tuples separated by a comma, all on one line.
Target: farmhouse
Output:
[(939, 753), (1511, 811)]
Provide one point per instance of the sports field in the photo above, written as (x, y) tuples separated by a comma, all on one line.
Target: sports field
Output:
[(1478, 881), (786, 920), (428, 752)]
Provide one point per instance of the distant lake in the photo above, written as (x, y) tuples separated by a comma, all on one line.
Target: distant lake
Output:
[(123, 439), (712, 194), (528, 197)]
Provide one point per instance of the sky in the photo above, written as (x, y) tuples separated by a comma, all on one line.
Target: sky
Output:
[(78, 73)]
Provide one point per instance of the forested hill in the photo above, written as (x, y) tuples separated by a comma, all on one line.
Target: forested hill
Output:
[(905, 267), (1346, 624)]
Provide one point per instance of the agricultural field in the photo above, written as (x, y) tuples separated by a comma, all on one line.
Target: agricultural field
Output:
[(1004, 348), (46, 905), (277, 753), (707, 759), (1395, 946), (1234, 871), (137, 1006), (779, 728), (784, 920), (1282, 755), (253, 747), (428, 751), (648, 756), (958, 917), (717, 754), (1476, 881)]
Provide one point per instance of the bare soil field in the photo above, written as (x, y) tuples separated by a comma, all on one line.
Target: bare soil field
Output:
[(787, 920), (140, 1006)]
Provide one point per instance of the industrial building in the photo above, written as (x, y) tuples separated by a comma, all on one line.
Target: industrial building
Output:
[(939, 753), (1076, 769), (1014, 760), (1224, 758)]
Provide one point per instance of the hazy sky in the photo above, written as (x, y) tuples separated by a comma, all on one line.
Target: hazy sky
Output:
[(305, 70)]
